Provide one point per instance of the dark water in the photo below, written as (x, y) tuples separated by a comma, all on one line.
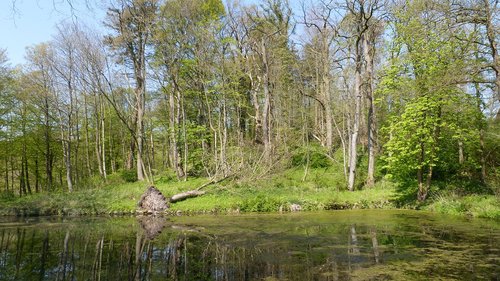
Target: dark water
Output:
[(341, 245)]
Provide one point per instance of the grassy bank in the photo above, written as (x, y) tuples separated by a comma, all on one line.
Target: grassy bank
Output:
[(481, 206), (320, 189)]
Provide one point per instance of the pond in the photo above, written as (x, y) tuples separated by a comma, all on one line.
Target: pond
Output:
[(336, 245)]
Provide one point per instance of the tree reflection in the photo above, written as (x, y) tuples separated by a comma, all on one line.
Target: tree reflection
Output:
[(376, 252), (155, 248)]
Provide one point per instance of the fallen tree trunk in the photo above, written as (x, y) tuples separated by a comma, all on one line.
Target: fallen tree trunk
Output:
[(184, 195), (153, 201)]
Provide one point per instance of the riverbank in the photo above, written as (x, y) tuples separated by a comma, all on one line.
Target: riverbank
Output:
[(319, 191)]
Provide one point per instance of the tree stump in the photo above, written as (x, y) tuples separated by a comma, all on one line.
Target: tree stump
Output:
[(153, 201)]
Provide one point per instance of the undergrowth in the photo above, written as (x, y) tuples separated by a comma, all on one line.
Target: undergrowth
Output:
[(311, 189)]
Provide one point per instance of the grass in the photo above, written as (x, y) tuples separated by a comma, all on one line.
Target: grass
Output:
[(320, 188), (481, 206)]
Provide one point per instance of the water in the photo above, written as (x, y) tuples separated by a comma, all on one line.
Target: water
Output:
[(337, 245)]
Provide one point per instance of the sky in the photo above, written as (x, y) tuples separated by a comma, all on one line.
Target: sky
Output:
[(24, 23)]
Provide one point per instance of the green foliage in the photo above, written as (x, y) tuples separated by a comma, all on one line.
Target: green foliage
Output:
[(313, 156), (481, 206), (212, 9), (129, 175), (412, 133), (261, 203), (430, 117), (197, 136)]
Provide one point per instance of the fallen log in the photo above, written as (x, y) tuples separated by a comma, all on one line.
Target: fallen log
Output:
[(153, 201), (184, 195)]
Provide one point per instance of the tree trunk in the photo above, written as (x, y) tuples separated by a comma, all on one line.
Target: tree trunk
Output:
[(184, 134), (24, 157), (266, 110), (22, 184), (353, 158), (66, 147), (460, 152), (420, 177), (173, 122), (48, 151), (369, 52), (87, 134), (491, 34), (37, 176), (258, 114), (76, 162), (129, 165), (6, 174), (481, 124), (103, 140), (26, 173), (67, 163), (224, 140), (326, 95), (98, 146), (184, 195), (140, 128)]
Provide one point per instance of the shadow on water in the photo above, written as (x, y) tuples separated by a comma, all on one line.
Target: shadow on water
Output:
[(342, 245)]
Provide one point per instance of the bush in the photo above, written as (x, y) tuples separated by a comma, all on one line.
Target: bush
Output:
[(314, 156), (261, 203), (7, 196), (129, 175)]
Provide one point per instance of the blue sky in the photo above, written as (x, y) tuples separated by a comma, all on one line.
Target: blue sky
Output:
[(34, 21), (24, 23)]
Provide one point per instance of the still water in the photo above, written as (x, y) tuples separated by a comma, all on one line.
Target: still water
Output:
[(336, 245)]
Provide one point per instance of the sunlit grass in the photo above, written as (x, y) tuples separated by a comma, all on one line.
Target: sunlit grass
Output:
[(316, 189), (482, 206)]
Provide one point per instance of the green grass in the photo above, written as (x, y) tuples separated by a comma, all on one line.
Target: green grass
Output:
[(481, 206), (321, 188)]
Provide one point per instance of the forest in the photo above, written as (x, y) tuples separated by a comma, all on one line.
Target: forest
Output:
[(393, 92)]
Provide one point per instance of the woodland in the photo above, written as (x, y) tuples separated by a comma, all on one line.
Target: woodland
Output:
[(401, 93)]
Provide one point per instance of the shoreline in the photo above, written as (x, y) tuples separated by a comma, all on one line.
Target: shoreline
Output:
[(26, 212), (272, 195)]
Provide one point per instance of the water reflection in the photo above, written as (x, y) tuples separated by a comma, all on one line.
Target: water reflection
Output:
[(152, 226), (324, 246)]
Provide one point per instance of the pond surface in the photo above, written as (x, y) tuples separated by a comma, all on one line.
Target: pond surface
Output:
[(336, 245)]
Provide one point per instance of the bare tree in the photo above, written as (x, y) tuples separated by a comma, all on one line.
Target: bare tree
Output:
[(361, 18), (132, 22)]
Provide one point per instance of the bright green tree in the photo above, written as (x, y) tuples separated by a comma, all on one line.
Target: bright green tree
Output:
[(432, 123)]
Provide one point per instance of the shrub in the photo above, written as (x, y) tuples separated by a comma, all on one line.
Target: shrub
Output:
[(314, 156), (261, 203), (129, 175)]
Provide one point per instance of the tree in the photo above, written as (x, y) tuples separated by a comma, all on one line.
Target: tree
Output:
[(132, 22), (482, 15), (427, 79), (362, 20), (268, 40), (38, 77), (321, 20)]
